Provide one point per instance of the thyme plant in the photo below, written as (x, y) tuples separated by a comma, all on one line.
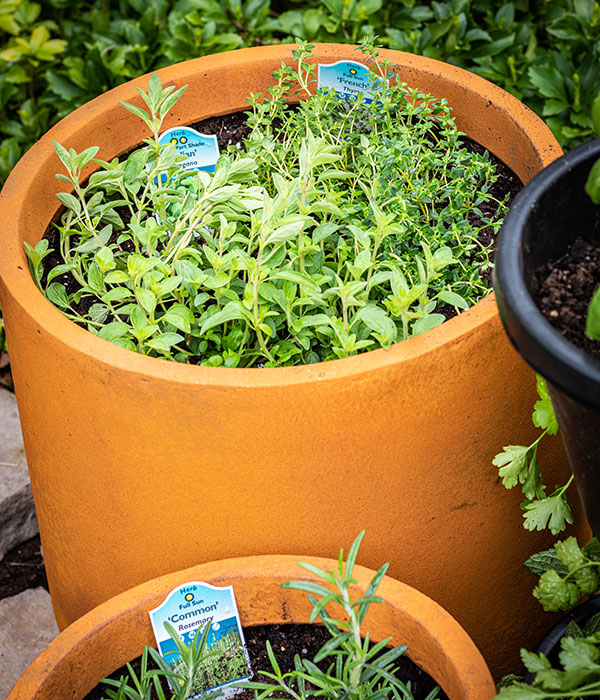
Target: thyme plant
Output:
[(337, 227)]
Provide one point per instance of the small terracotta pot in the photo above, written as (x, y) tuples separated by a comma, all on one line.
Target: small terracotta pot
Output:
[(116, 632), (140, 466)]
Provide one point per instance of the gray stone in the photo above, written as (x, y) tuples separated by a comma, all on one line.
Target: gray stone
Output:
[(17, 514), (27, 626)]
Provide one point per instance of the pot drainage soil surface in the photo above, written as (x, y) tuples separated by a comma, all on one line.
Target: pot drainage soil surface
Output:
[(564, 289), (287, 641), (22, 568)]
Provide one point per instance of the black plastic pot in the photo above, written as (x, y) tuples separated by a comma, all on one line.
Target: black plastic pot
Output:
[(547, 215), (550, 644)]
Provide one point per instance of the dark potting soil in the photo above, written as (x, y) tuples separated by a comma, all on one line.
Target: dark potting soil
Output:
[(231, 130), (287, 641), (22, 568), (564, 289), (6, 381)]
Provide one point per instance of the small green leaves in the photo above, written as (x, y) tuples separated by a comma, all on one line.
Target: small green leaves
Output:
[(567, 573), (518, 464), (543, 411), (305, 245), (579, 676)]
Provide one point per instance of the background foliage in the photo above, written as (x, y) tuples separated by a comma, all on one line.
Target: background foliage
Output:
[(57, 54)]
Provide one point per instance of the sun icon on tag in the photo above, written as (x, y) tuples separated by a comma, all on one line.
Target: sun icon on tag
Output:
[(353, 71), (189, 597)]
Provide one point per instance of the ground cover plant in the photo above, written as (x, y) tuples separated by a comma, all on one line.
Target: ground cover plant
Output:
[(338, 227), (355, 667)]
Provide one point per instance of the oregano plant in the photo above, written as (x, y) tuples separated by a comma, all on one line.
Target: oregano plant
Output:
[(338, 226)]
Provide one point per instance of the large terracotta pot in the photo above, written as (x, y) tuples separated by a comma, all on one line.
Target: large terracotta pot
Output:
[(141, 467), (113, 633)]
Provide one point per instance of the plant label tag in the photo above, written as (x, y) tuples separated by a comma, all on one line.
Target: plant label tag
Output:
[(197, 605), (201, 151), (347, 78)]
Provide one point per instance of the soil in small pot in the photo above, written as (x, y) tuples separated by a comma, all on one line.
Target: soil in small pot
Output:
[(22, 568), (287, 641), (564, 289)]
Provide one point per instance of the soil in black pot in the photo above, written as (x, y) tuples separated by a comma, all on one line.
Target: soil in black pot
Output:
[(287, 641), (564, 289)]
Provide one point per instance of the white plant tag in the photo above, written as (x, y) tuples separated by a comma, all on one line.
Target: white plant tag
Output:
[(347, 78), (196, 604), (201, 151)]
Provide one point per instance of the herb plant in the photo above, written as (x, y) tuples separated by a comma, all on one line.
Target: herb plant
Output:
[(356, 670), (338, 227), (567, 573), (517, 464), (578, 677)]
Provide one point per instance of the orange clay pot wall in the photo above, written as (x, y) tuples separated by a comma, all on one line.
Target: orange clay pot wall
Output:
[(141, 467), (116, 632)]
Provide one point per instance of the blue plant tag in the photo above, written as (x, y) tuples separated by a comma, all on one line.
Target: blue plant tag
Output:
[(194, 605), (200, 150), (347, 78)]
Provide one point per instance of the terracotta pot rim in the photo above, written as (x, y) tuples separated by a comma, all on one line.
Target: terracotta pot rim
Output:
[(18, 281), (446, 635)]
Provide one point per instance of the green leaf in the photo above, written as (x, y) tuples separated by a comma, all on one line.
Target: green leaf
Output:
[(58, 295), (596, 114), (553, 512), (98, 312), (233, 311), (377, 320), (117, 294), (69, 201), (592, 323), (63, 154), (534, 662), (94, 279), (543, 410), (569, 553), (449, 297), (147, 299), (578, 655), (544, 561), (164, 341), (426, 323), (180, 317), (299, 278), (555, 593), (114, 330), (512, 463)]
